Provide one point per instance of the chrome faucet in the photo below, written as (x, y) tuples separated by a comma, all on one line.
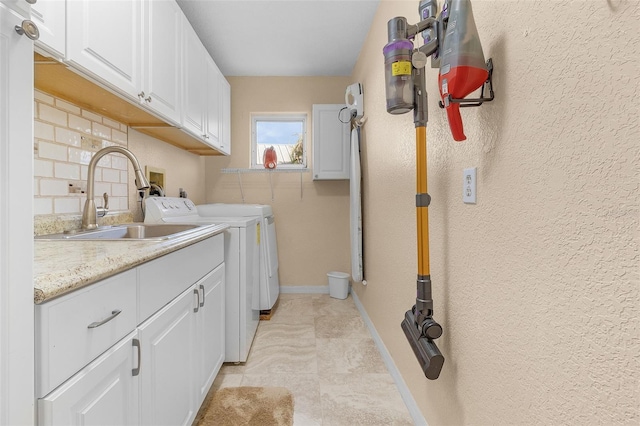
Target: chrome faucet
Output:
[(90, 212)]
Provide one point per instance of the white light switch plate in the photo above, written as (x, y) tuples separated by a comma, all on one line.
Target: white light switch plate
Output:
[(469, 186)]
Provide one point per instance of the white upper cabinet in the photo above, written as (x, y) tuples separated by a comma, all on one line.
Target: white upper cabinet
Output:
[(147, 52), (50, 17), (212, 133), (195, 83), (331, 147), (105, 41), (206, 110), (225, 117), (162, 67)]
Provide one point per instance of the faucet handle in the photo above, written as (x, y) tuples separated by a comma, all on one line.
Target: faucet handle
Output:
[(102, 211)]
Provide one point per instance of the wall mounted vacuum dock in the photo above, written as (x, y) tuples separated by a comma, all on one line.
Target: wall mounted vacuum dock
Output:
[(453, 43)]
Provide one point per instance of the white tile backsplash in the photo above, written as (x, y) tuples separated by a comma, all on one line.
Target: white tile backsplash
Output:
[(52, 151), (68, 137), (100, 131), (79, 156), (67, 205), (54, 187), (91, 116), (119, 162), (80, 124), (61, 158), (43, 98), (52, 115), (119, 189), (67, 171), (43, 168), (43, 205), (109, 122), (111, 175), (43, 131), (66, 106)]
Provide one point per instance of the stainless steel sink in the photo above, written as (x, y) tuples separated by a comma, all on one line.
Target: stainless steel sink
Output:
[(136, 231)]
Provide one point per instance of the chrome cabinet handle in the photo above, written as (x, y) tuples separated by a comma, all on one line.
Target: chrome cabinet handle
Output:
[(136, 371), (202, 288), (141, 95), (148, 99), (28, 28), (114, 314), (197, 293)]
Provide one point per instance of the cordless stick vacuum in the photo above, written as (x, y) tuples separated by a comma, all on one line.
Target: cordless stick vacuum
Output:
[(406, 91)]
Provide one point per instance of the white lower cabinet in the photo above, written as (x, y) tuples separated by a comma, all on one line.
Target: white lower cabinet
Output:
[(167, 369), (160, 373), (210, 329), (182, 351), (105, 392)]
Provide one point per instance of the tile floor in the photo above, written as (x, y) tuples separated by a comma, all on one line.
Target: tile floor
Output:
[(320, 349)]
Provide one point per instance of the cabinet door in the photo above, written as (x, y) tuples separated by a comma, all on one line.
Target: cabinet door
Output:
[(225, 116), (104, 40), (50, 17), (331, 147), (195, 83), (212, 119), (103, 393), (16, 221), (210, 330), (162, 67), (167, 393)]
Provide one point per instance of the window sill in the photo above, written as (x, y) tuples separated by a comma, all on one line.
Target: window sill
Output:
[(283, 170)]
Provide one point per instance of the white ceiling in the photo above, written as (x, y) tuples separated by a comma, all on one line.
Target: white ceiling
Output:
[(282, 37)]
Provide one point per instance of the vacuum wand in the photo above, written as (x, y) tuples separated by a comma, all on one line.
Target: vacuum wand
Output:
[(406, 90)]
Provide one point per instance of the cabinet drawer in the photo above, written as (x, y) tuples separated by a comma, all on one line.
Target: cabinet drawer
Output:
[(163, 279), (73, 330)]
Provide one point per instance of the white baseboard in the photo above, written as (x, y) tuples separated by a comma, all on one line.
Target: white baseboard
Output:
[(304, 289), (405, 393)]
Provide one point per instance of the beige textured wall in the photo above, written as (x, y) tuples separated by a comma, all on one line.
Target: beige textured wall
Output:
[(183, 169), (536, 285), (312, 229)]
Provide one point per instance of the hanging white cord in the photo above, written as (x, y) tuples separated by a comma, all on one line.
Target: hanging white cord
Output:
[(301, 185), (271, 183), (240, 182)]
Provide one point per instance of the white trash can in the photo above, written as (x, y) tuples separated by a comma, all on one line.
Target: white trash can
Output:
[(338, 284)]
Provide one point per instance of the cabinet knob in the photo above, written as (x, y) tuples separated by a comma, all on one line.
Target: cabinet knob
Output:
[(141, 95), (148, 99), (28, 28), (31, 1)]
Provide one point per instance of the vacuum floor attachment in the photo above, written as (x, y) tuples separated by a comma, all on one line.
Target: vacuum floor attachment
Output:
[(425, 349)]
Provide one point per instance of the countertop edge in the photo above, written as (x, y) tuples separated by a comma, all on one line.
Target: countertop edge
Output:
[(58, 274)]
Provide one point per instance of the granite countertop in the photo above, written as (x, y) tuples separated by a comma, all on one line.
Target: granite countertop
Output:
[(62, 266)]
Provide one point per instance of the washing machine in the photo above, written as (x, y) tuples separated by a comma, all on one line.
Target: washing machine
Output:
[(269, 280), (242, 268)]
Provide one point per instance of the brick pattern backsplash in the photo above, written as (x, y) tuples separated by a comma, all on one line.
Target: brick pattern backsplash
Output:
[(65, 138)]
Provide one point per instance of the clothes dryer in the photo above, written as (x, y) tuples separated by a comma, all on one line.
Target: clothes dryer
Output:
[(269, 279)]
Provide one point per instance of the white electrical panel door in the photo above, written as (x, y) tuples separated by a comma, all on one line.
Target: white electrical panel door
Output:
[(331, 148)]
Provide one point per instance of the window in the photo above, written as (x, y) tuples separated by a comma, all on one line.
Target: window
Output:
[(286, 133)]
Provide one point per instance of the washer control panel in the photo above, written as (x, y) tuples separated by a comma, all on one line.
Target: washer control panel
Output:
[(158, 208)]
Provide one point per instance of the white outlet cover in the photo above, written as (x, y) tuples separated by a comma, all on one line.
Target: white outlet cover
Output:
[(469, 186)]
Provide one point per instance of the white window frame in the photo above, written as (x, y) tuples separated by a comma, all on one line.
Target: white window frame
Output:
[(302, 117)]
